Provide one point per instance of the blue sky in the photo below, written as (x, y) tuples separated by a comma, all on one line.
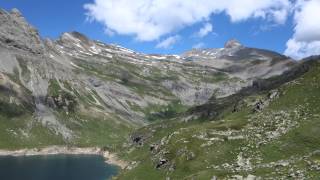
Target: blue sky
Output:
[(164, 26)]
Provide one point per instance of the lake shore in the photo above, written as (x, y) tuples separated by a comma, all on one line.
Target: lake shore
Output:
[(110, 158)]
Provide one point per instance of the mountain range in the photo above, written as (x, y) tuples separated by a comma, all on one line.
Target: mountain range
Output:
[(233, 112)]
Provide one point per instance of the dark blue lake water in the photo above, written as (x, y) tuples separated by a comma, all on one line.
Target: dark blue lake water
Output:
[(56, 167)]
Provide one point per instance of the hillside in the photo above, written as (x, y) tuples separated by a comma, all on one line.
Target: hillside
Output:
[(269, 133)]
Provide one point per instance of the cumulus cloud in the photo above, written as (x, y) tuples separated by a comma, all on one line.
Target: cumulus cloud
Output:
[(205, 30), (274, 10), (306, 38), (300, 49), (149, 20), (307, 25), (168, 42)]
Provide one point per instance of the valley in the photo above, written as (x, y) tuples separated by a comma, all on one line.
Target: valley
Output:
[(229, 113)]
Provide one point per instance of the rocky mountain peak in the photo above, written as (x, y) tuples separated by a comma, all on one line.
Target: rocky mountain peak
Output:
[(16, 32), (16, 12), (74, 38), (233, 43)]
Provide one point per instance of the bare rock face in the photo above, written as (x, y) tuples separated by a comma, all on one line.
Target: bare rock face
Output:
[(17, 33), (233, 43)]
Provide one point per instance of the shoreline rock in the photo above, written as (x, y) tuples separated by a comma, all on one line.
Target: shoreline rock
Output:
[(110, 158)]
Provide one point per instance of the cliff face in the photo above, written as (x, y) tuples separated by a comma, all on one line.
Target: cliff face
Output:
[(17, 33)]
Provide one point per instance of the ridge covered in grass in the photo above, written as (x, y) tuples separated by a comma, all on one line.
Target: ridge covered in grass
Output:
[(278, 140)]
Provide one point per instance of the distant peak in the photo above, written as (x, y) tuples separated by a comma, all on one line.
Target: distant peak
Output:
[(233, 43), (16, 12), (78, 35), (74, 36)]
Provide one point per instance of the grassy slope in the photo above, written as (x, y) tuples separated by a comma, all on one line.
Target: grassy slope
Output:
[(285, 131), (22, 132), (20, 129), (198, 149), (26, 132)]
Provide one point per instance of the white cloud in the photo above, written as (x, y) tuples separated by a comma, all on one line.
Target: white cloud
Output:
[(299, 50), (205, 30), (199, 45), (274, 10), (149, 20), (306, 38), (280, 16), (307, 23), (168, 42)]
